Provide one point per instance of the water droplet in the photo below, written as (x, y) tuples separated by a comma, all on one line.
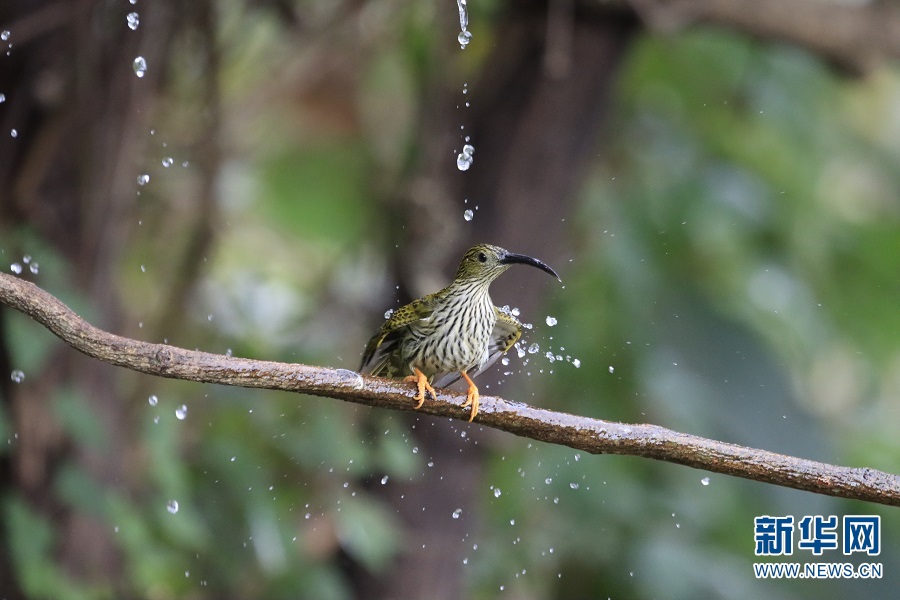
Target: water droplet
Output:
[(504, 361), (577, 363), (34, 268), (15, 268), (14, 133), (534, 348), (168, 161), (497, 492), (550, 356), (133, 20), (574, 486), (457, 513), (2, 98), (548, 481), (172, 506), (4, 35), (612, 369), (388, 313), (705, 481), (384, 480), (463, 15), (468, 215), (181, 412), (153, 400), (17, 376), (143, 179), (464, 38), (551, 321), (140, 66), (464, 159)]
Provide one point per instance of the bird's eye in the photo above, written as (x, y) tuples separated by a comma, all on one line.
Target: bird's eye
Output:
[(482, 257)]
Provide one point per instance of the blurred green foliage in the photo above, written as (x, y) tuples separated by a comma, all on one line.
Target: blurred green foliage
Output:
[(739, 232)]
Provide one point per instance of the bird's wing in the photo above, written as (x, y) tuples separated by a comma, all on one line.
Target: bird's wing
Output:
[(382, 353), (506, 332)]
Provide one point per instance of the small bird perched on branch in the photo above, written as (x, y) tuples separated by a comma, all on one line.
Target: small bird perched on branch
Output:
[(456, 332)]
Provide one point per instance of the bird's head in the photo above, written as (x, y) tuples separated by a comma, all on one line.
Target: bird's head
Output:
[(484, 263)]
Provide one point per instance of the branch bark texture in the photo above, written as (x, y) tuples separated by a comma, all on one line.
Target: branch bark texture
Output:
[(594, 436)]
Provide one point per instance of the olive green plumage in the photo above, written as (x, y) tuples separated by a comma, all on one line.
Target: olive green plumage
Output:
[(456, 332)]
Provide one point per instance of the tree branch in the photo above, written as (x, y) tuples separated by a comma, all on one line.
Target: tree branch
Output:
[(589, 435)]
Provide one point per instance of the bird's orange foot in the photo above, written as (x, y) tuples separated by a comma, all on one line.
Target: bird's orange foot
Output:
[(471, 396), (422, 385)]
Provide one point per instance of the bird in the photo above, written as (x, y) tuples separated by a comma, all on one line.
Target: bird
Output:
[(451, 334)]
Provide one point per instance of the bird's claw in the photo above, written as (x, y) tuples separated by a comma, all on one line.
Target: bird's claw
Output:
[(471, 396), (422, 386)]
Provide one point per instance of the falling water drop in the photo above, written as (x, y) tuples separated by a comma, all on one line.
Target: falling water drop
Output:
[(133, 20), (464, 159), (17, 376), (140, 66), (468, 215), (181, 412), (172, 506), (464, 36)]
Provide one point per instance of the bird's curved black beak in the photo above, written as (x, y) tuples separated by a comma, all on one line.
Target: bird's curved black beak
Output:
[(511, 258)]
